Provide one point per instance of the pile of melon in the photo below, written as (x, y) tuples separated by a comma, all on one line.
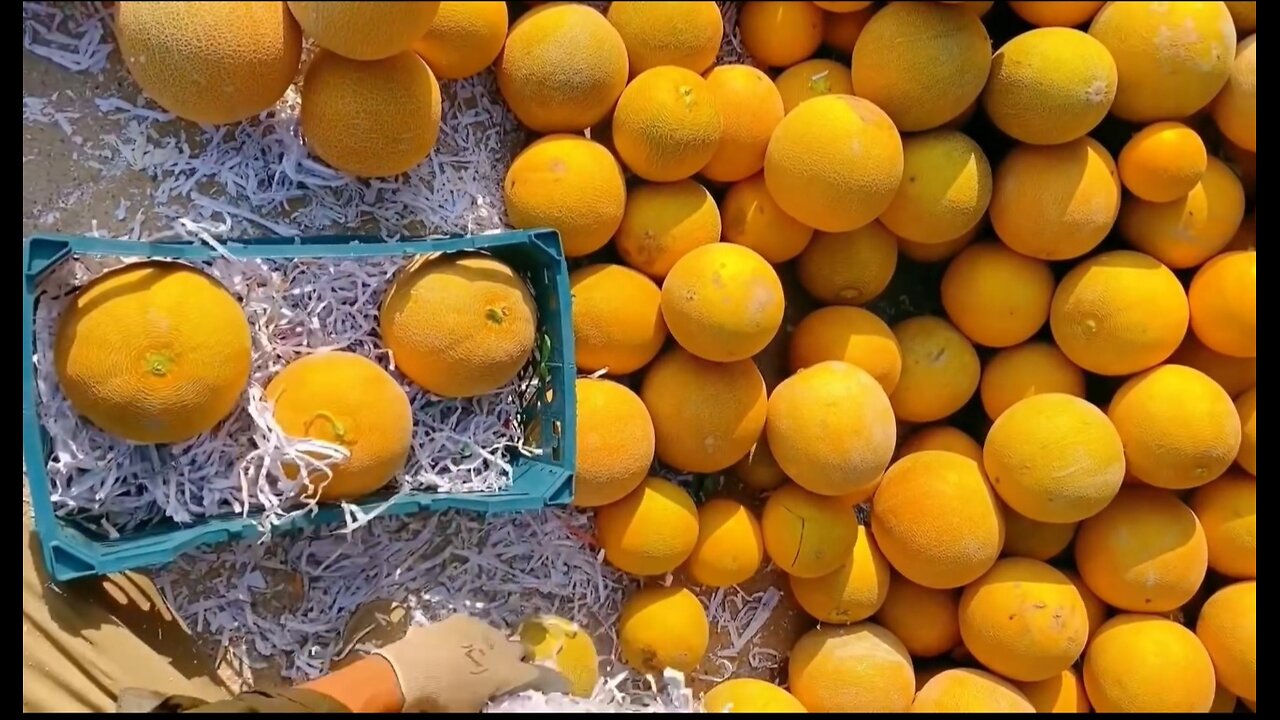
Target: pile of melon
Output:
[(958, 298)]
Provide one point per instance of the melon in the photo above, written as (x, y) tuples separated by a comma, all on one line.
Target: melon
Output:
[(995, 296), (944, 438), (730, 546), (749, 695), (937, 252), (1227, 509), (1043, 13), (965, 690), (1062, 693), (923, 63), (570, 184), (667, 125), (751, 108), (177, 53), (1236, 108), (1035, 539), (758, 470), (1224, 303), (1228, 628), (1119, 313), (153, 352), (706, 415), (834, 163), (1172, 59), (464, 38), (683, 34), (780, 34), (812, 78), (851, 668), (924, 619), (650, 531), (1192, 228), (1097, 610), (940, 370), (1247, 408), (831, 428), (937, 520), (945, 190), (1161, 163), (459, 325), (365, 30), (1144, 663), (852, 592), (662, 222), (661, 628), (750, 217), (562, 68), (1244, 13), (349, 401), (843, 7), (840, 31), (805, 534), (850, 334), (565, 647), (617, 319), (1233, 374), (1033, 368), (615, 441), (722, 302), (848, 268)]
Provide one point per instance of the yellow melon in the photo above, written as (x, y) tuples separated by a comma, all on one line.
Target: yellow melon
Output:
[(1050, 85), (722, 302), (924, 619), (944, 438), (923, 63), (940, 370), (562, 68), (1244, 15), (1234, 374), (805, 534), (650, 531), (1243, 162), (1093, 605), (1224, 303), (749, 216), (1024, 620), (1228, 627), (1054, 458), (568, 183), (976, 7), (1055, 202), (617, 319), (1062, 693), (459, 325), (364, 30), (464, 38), (995, 296), (175, 53), (758, 470), (749, 695), (615, 442), (831, 428), (1227, 509), (852, 592), (851, 334), (1143, 663), (813, 78), (834, 163), (153, 352), (965, 690), (1163, 162), (1246, 238), (750, 108), (1027, 538), (706, 415), (1179, 428), (664, 221), (945, 191), (1061, 14), (1172, 59), (730, 546), (347, 400), (1119, 313), (780, 33), (1236, 108), (851, 668), (937, 520), (1019, 372), (1247, 408), (370, 118), (663, 627), (667, 125), (1145, 552), (565, 647), (848, 268), (840, 31), (1191, 229), (684, 34), (937, 252), (843, 7)]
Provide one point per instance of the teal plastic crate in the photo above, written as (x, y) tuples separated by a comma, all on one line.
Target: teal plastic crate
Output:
[(71, 551)]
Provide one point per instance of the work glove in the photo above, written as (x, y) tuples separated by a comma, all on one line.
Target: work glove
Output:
[(460, 663)]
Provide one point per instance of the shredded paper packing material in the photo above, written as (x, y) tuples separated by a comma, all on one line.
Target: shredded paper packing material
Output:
[(256, 177)]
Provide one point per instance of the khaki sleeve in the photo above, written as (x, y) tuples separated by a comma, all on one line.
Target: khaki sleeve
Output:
[(255, 701)]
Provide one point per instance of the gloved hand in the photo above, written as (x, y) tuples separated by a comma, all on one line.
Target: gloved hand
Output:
[(460, 663)]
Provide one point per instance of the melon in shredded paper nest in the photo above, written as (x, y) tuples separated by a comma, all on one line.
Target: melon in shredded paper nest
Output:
[(564, 646), (663, 627), (459, 325), (615, 442), (667, 124), (153, 352), (617, 319), (852, 668), (349, 401), (750, 695), (570, 184), (365, 30), (684, 34), (650, 531), (370, 119), (210, 62)]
